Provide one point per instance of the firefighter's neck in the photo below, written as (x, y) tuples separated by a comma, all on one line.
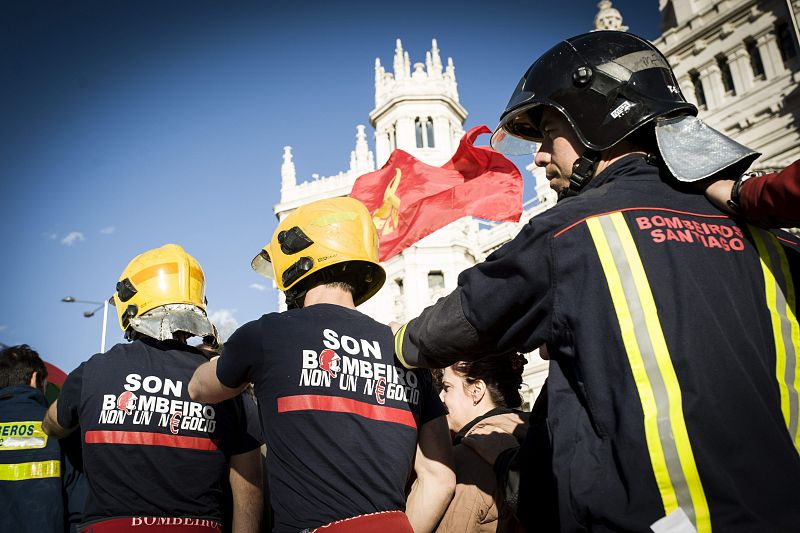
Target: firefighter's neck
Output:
[(615, 153), (326, 294)]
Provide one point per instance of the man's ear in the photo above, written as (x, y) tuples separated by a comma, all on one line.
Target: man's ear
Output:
[(34, 380)]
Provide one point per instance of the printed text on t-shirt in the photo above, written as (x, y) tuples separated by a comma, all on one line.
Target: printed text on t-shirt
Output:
[(357, 371)]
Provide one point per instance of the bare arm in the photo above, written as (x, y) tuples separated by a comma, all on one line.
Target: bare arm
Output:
[(206, 387), (50, 423), (436, 481), (247, 490)]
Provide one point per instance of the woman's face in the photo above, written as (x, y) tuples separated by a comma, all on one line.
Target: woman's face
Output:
[(458, 398)]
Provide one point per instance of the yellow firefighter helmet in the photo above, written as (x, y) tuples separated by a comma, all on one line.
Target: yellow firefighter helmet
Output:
[(323, 242), (159, 277)]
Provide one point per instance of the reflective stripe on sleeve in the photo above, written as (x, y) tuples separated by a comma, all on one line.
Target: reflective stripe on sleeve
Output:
[(666, 435), (33, 470), (781, 302), (398, 346)]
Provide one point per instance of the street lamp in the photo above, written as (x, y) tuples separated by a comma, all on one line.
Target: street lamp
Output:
[(88, 314)]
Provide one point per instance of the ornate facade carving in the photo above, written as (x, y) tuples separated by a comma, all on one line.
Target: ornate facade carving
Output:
[(739, 62)]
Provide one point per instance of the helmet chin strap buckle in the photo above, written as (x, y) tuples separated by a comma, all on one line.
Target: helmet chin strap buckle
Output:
[(582, 172)]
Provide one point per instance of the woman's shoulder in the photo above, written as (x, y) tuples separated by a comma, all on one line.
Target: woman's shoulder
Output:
[(513, 423), (495, 434)]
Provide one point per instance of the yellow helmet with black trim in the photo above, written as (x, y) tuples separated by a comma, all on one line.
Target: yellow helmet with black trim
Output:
[(323, 242), (159, 277)]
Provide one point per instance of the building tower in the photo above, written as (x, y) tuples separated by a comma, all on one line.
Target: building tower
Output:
[(417, 111)]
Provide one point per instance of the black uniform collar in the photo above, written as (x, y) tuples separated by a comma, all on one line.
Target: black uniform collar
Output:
[(627, 165)]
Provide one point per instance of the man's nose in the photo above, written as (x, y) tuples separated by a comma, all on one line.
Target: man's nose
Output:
[(542, 158)]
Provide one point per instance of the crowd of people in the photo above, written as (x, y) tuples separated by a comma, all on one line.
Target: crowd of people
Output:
[(667, 311)]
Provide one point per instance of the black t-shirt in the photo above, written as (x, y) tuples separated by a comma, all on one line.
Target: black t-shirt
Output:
[(340, 414), (148, 450)]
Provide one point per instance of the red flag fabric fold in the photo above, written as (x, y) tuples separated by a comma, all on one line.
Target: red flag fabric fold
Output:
[(410, 199)]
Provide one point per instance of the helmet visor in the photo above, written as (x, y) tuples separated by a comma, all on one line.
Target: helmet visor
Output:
[(518, 132), (262, 264), (508, 144)]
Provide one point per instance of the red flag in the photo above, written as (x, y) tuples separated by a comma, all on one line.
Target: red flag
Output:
[(409, 199)]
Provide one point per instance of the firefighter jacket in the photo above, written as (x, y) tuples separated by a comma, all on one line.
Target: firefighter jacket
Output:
[(30, 465), (673, 338)]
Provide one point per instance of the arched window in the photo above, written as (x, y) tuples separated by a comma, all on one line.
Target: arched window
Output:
[(393, 136), (423, 127), (755, 59), (699, 94), (727, 77), (429, 131), (785, 41)]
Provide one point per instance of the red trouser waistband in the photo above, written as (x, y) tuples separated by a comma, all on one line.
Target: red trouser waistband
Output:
[(394, 521), (148, 524)]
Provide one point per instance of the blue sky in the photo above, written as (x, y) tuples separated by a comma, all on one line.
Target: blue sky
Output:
[(127, 125)]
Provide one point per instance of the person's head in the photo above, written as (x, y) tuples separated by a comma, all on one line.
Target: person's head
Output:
[(603, 87), (471, 389), (20, 365), (327, 242), (161, 294)]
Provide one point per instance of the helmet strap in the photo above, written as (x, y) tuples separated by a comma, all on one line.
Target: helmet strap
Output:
[(295, 298), (582, 172)]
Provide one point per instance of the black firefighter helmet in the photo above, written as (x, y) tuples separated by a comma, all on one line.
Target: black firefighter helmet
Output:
[(606, 83)]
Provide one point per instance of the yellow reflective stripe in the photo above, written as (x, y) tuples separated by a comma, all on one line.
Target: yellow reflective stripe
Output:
[(34, 470), (646, 395), (782, 305), (398, 346), (667, 438)]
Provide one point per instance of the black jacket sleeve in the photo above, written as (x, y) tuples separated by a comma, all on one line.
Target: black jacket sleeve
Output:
[(502, 304)]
